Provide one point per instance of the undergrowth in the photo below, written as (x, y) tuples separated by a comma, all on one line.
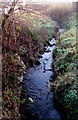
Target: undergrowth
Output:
[(66, 65), (24, 36)]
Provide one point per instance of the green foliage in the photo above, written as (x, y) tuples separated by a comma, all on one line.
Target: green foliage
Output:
[(70, 102), (22, 65), (71, 98), (66, 66), (11, 57), (18, 28), (61, 51), (33, 33), (45, 23), (23, 50), (14, 97), (11, 78), (9, 94), (50, 28), (76, 65), (22, 101)]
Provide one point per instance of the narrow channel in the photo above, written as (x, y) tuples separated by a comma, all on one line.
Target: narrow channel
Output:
[(38, 89)]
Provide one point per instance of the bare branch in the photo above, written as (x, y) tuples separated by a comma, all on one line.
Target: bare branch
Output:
[(12, 6)]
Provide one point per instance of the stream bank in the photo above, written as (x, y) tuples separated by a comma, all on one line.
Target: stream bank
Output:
[(66, 67), (24, 36)]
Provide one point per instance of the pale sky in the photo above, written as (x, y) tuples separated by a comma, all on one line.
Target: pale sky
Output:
[(42, 1), (48, 1), (52, 0)]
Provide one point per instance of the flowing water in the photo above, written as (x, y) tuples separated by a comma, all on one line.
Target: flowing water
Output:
[(39, 91)]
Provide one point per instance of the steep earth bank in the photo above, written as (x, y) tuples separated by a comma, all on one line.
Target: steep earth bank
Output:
[(24, 37), (66, 66)]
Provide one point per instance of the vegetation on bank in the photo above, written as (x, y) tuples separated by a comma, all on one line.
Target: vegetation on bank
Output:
[(24, 36), (66, 66)]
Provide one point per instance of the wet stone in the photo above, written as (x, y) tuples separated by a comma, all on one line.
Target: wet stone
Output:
[(37, 62)]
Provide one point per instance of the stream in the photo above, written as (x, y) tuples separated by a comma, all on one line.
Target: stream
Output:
[(37, 88)]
